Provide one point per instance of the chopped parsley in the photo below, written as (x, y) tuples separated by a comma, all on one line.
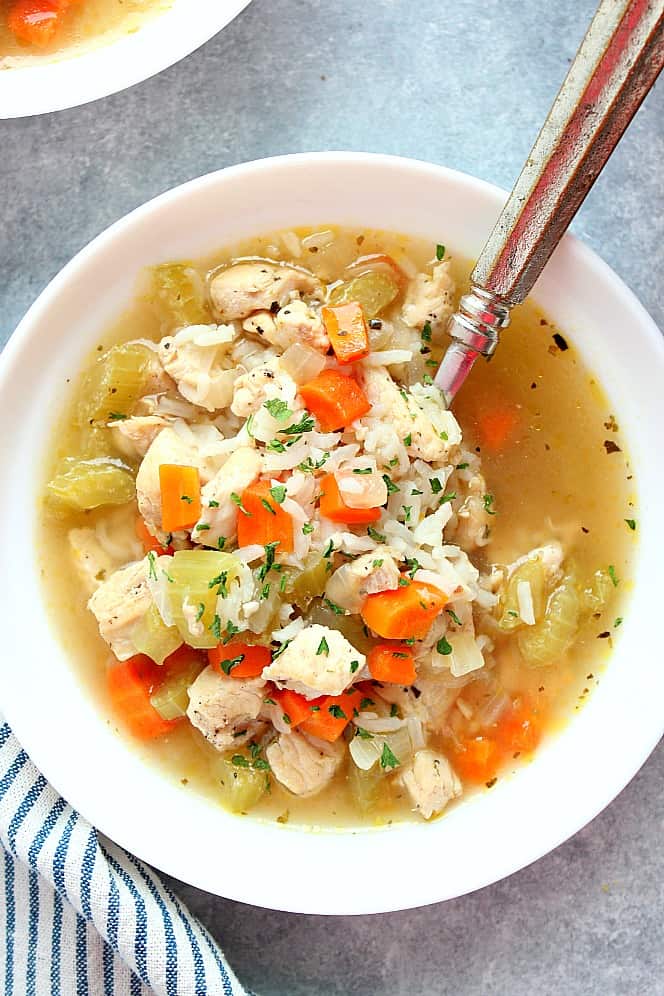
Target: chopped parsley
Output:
[(390, 485), (228, 665), (307, 528), (375, 535), (235, 498), (407, 440), (152, 571), (436, 485), (428, 380), (336, 711), (338, 611), (487, 501), (278, 492), (276, 446), (269, 560), (403, 583), (354, 665), (631, 523), (412, 566), (617, 622), (393, 462), (393, 708), (323, 648), (327, 552), (462, 466), (220, 583), (308, 466), (215, 627), (443, 435), (454, 617), (366, 703), (306, 424), (278, 409), (387, 758), (231, 630), (377, 563), (362, 470), (265, 591), (280, 649), (240, 760), (426, 331), (448, 496), (440, 252), (443, 647), (266, 505), (221, 542), (407, 509), (186, 498), (363, 734), (213, 504), (201, 610), (614, 578), (117, 416), (202, 526)]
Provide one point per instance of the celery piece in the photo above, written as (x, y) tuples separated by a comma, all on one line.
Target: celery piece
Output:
[(350, 626), (116, 381), (309, 583), (198, 577), (178, 296), (240, 786), (546, 641), (152, 637), (369, 789), (171, 699), (374, 290), (85, 484), (533, 572)]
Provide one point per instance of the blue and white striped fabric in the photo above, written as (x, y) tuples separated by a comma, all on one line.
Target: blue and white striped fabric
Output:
[(79, 915)]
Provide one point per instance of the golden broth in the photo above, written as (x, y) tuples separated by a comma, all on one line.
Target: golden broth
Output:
[(565, 474), (86, 24)]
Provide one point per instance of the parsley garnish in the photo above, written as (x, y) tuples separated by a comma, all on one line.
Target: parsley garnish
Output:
[(618, 622), (231, 630), (362, 470), (152, 572), (327, 552), (387, 758), (375, 535), (202, 526), (631, 523), (354, 665), (266, 505), (117, 416), (306, 424), (403, 583), (436, 486), (391, 486), (213, 504), (461, 466), (428, 380), (228, 665), (448, 496), (365, 703), (363, 734), (337, 712), (278, 492), (186, 498), (407, 509), (377, 563), (407, 440), (221, 542), (487, 501), (307, 528), (215, 627), (240, 760), (323, 648), (308, 466), (338, 611), (269, 560), (443, 647), (201, 610), (393, 708), (412, 566), (453, 616), (276, 446), (235, 498), (278, 409), (440, 252), (612, 574), (426, 331)]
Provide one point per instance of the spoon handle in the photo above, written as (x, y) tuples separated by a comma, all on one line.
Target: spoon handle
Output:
[(616, 65)]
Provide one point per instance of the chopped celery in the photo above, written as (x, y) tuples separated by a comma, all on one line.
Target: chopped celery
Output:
[(533, 572), (198, 577), (597, 593), (374, 290), (309, 583), (369, 789), (95, 441), (116, 381), (178, 295), (152, 637), (85, 484), (172, 697), (350, 626), (546, 641), (241, 786)]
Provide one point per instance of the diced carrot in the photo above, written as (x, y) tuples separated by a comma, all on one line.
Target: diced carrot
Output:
[(392, 662), (180, 496), (335, 399), (519, 729), (331, 714), (150, 543), (294, 707), (35, 21), (347, 331), (477, 759), (407, 611), (240, 660), (333, 507), (262, 520), (497, 426), (130, 684)]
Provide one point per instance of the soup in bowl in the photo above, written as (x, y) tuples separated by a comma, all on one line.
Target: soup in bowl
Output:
[(284, 590)]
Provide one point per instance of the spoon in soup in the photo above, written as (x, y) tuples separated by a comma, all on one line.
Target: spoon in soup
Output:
[(617, 63)]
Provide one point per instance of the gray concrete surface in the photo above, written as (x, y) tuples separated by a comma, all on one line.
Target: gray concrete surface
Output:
[(465, 84)]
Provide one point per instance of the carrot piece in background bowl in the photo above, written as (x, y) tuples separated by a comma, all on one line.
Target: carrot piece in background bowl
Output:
[(262, 520), (130, 684), (36, 21), (180, 496), (226, 659), (347, 331), (392, 662), (335, 399), (407, 611)]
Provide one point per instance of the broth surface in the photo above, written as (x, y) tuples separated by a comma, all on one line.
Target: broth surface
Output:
[(565, 475)]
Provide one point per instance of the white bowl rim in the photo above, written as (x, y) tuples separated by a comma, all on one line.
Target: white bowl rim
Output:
[(268, 894), (121, 63)]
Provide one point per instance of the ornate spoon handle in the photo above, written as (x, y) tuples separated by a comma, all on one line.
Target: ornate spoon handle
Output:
[(617, 63)]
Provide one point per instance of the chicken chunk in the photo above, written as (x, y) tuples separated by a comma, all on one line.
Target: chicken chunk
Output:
[(304, 768), (350, 584), (472, 529), (167, 447), (406, 415), (134, 436), (218, 511), (119, 604), (431, 783), (243, 288), (225, 710), (318, 661), (198, 359), (430, 298), (296, 322), (259, 385), (92, 563)]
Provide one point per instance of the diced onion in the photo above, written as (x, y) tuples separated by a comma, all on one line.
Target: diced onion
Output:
[(524, 597), (466, 655), (302, 362)]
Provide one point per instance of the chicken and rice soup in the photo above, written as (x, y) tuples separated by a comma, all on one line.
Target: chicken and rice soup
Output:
[(297, 580)]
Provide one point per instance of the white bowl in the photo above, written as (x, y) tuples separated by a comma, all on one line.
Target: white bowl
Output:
[(128, 59), (370, 870)]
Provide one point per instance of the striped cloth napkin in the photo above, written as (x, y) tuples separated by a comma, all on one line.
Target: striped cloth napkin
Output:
[(78, 915)]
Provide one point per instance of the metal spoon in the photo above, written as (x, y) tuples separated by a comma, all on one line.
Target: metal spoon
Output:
[(616, 65)]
